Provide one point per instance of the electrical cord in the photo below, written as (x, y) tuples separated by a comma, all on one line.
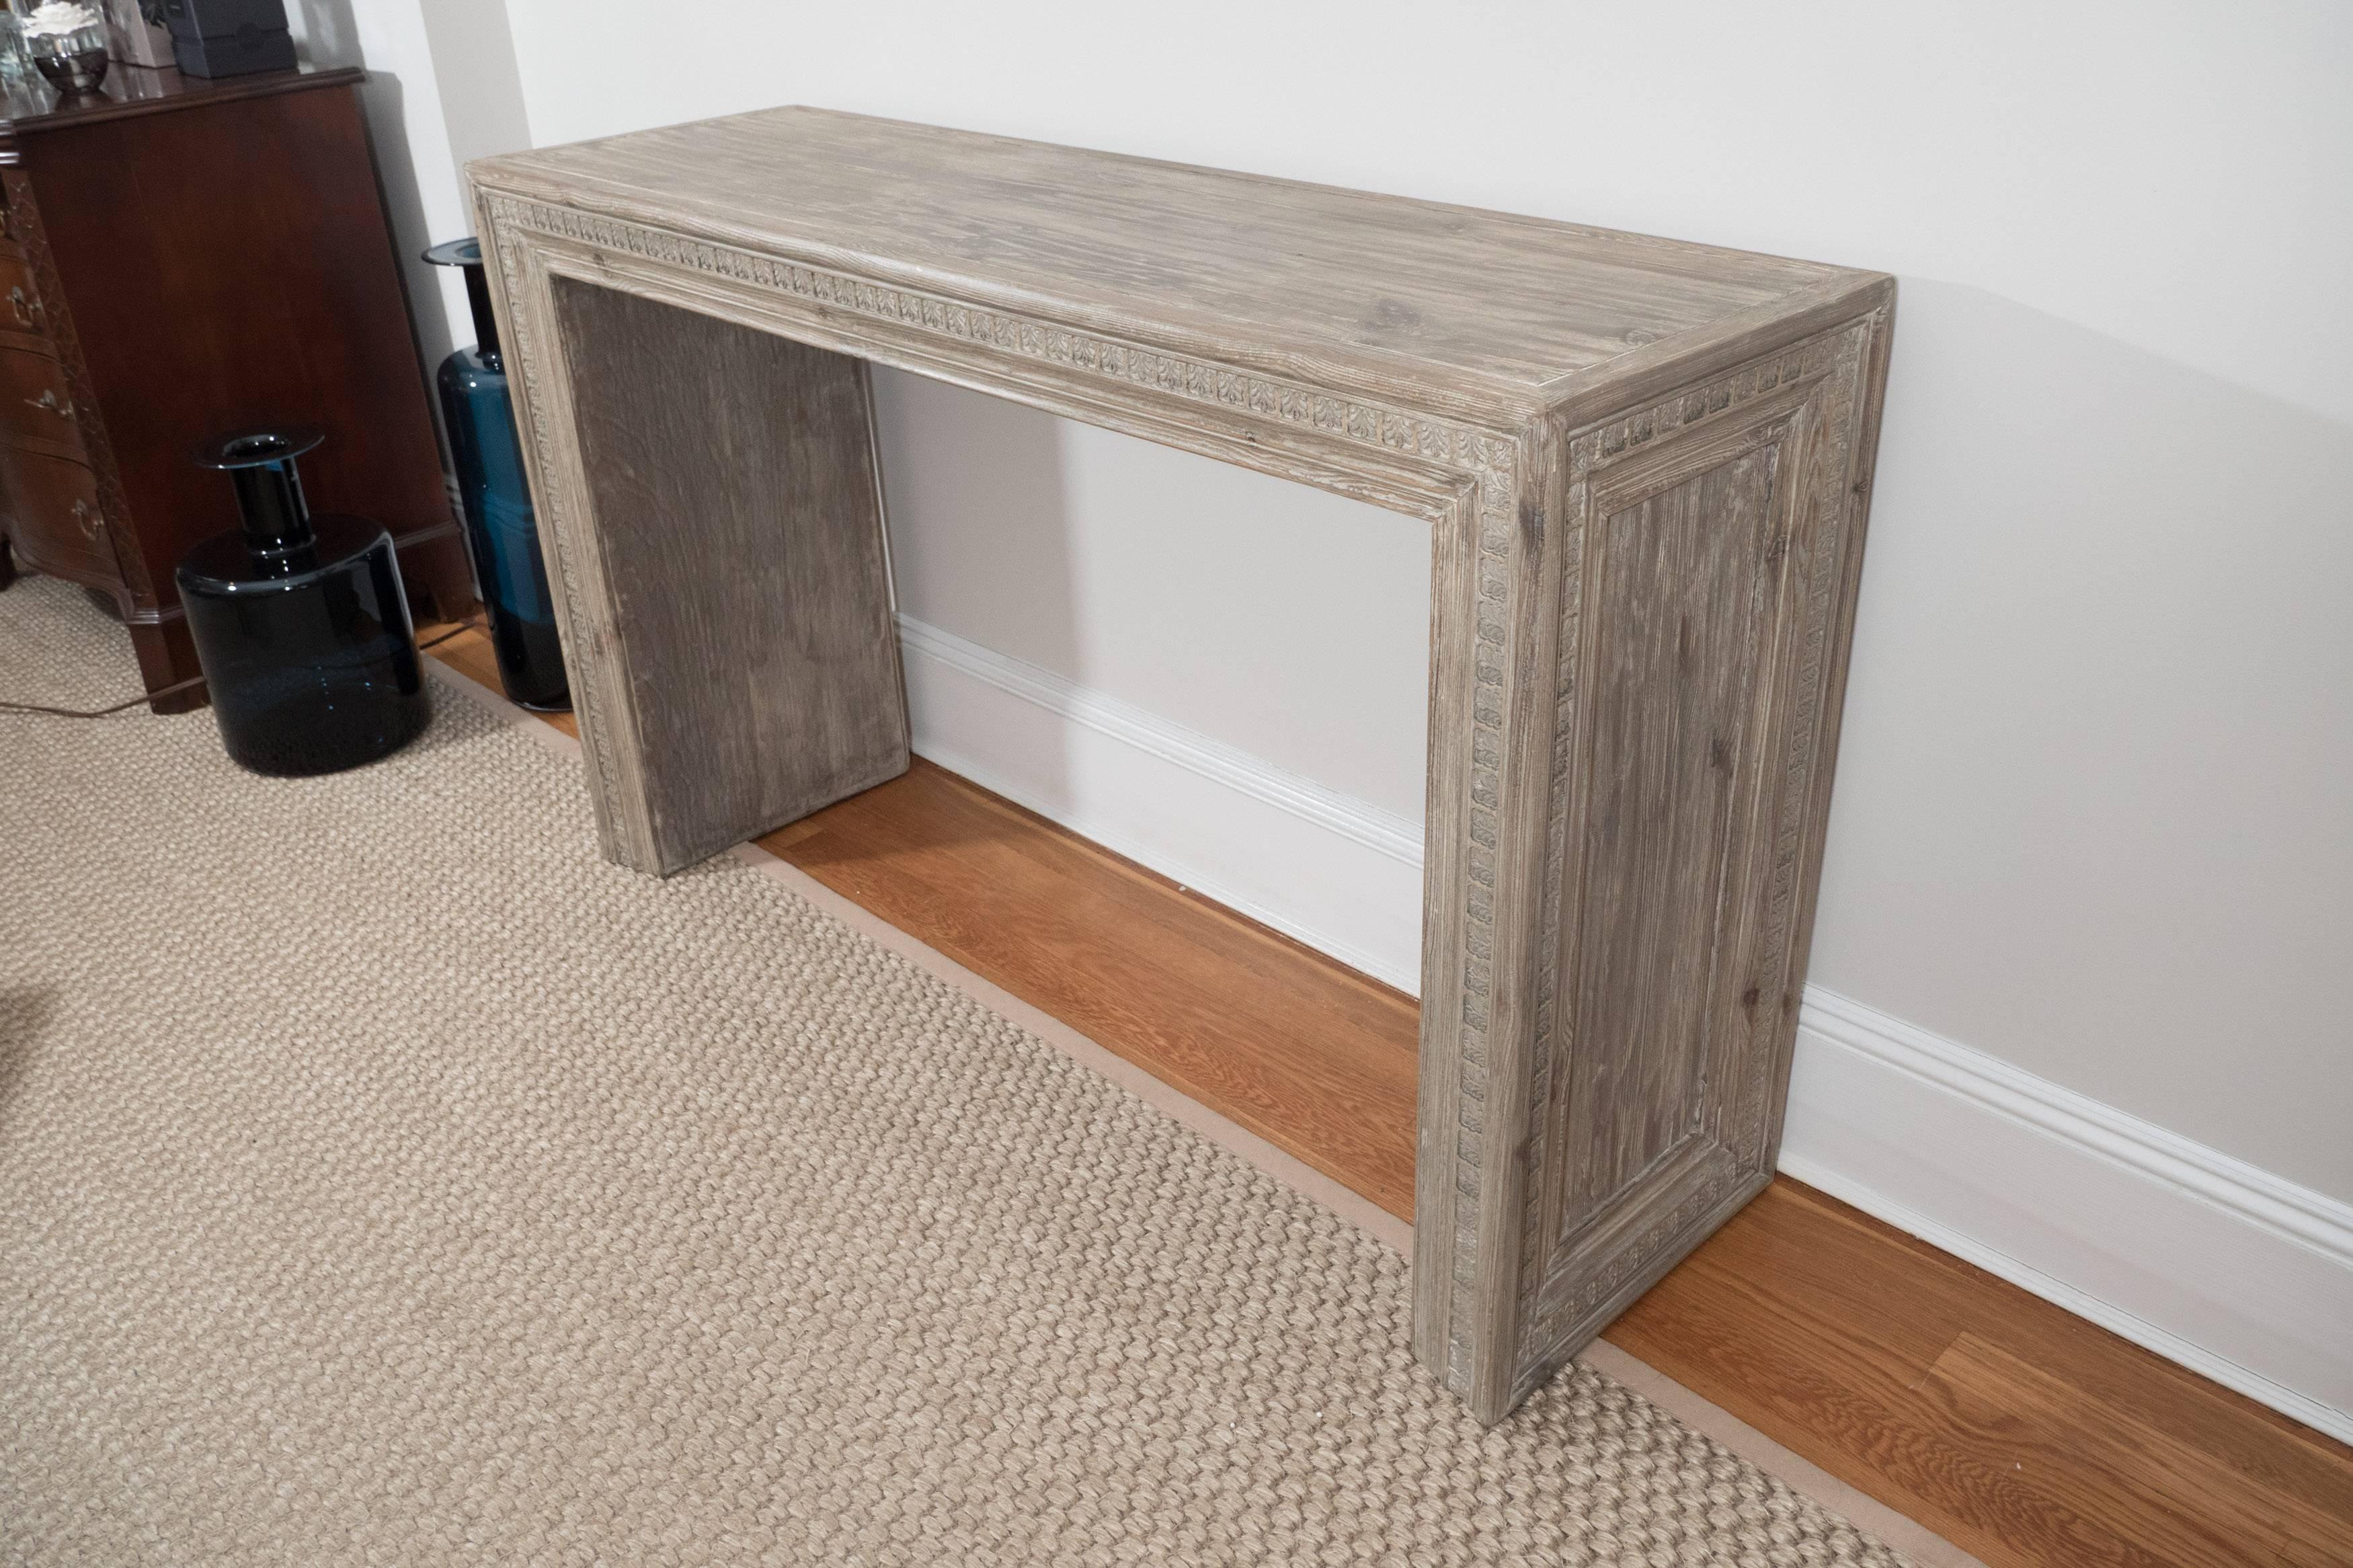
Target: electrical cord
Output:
[(178, 686)]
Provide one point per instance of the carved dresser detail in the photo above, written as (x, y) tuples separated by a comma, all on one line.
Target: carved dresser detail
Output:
[(1645, 465)]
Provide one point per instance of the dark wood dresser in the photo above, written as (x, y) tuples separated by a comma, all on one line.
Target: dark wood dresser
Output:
[(182, 258)]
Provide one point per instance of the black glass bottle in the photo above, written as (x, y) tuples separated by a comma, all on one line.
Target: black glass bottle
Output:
[(499, 524), (301, 627)]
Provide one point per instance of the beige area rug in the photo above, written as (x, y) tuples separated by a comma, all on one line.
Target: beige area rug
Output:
[(386, 1179)]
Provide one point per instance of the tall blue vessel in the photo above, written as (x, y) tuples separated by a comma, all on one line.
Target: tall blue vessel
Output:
[(500, 524)]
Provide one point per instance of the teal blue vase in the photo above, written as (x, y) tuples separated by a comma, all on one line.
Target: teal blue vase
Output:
[(500, 528)]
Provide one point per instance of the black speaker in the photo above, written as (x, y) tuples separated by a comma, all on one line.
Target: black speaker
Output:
[(230, 37)]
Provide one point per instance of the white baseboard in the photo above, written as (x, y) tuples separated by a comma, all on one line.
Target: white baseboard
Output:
[(2203, 1258), (1334, 872)]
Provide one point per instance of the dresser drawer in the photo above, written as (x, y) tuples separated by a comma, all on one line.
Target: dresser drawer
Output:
[(21, 312), (53, 520), (10, 244), (36, 406)]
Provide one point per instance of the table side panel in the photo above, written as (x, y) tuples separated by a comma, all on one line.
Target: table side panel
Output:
[(1719, 540), (1681, 581), (731, 476)]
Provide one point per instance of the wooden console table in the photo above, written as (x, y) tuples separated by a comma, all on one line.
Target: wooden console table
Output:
[(1645, 466)]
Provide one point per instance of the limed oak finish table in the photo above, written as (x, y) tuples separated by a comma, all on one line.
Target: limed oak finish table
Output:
[(1645, 466)]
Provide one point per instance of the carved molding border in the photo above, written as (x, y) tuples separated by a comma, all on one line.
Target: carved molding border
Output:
[(553, 502), (1465, 448)]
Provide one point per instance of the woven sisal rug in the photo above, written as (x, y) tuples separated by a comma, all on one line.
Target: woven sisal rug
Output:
[(386, 1179)]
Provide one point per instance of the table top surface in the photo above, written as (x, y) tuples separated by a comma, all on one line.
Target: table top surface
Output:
[(1339, 287)]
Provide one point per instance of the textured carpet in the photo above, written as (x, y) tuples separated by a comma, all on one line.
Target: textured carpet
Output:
[(385, 1179)]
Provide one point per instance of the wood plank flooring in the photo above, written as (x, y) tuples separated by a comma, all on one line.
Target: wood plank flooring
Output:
[(1300, 1050), (2021, 1433), (2015, 1429)]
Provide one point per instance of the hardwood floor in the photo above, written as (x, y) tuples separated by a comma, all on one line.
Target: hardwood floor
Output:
[(2021, 1433), (1300, 1050)]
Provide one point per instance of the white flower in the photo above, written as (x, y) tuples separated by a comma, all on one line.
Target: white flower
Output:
[(55, 18)]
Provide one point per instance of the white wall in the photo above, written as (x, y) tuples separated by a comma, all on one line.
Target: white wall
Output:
[(442, 87), (2092, 816), (1284, 621)]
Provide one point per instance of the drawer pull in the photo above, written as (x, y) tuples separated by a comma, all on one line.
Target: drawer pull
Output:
[(29, 311), (49, 400), (86, 516)]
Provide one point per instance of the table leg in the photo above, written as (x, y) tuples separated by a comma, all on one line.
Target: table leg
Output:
[(733, 656)]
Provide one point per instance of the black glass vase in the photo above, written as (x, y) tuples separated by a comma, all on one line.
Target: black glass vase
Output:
[(301, 627)]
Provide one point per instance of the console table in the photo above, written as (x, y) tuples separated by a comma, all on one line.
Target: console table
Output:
[(1645, 466)]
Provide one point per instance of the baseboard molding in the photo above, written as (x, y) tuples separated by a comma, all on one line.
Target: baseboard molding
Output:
[(1332, 871), (2204, 1259)]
